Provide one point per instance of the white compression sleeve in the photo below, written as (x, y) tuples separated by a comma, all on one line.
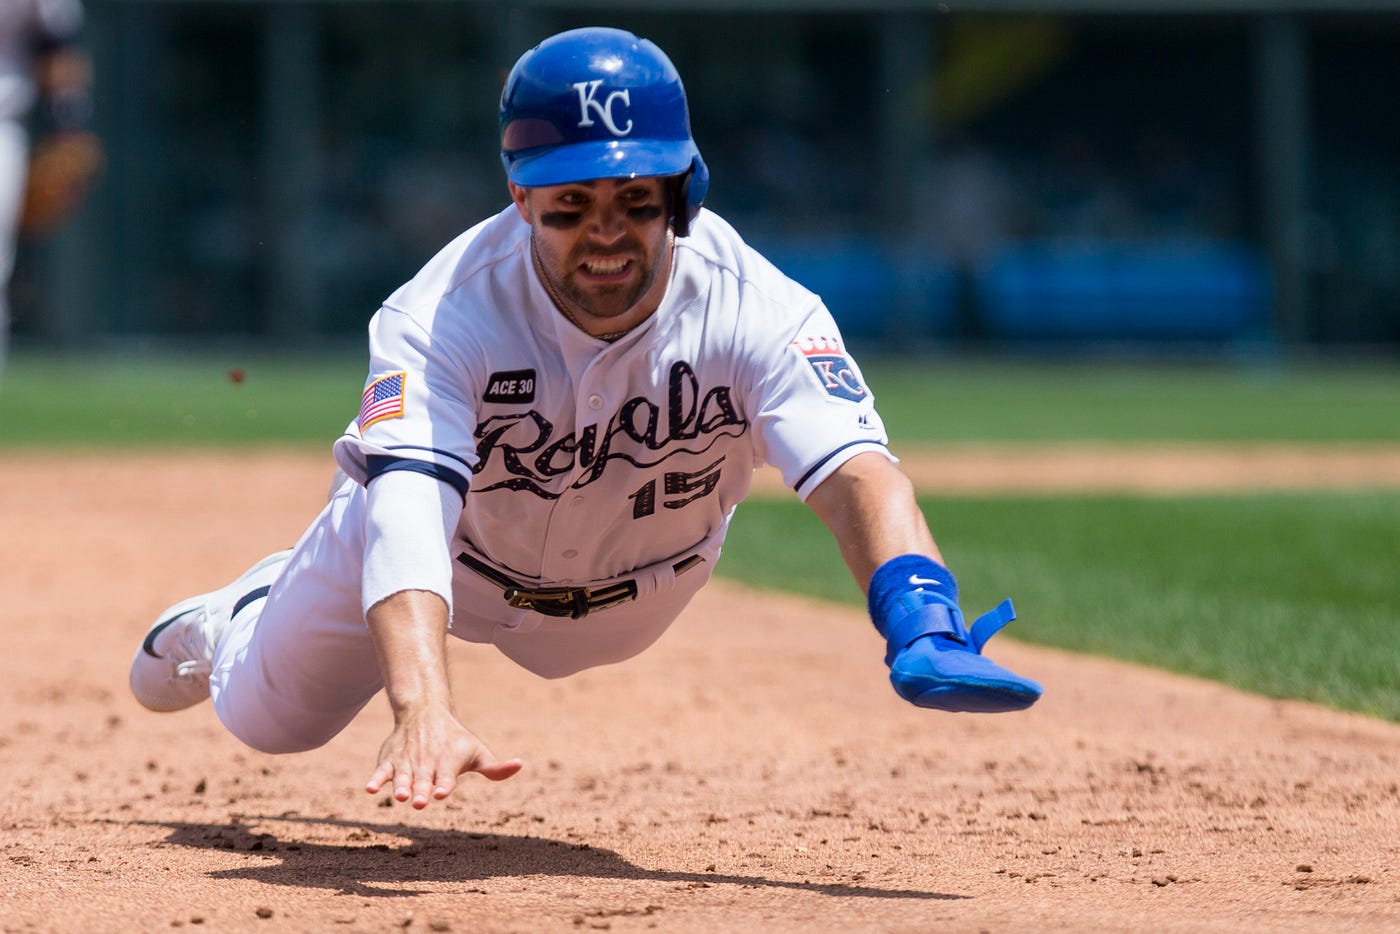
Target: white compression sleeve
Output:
[(410, 521)]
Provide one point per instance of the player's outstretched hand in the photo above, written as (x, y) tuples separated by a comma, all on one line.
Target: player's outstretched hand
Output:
[(945, 669), (426, 752), (935, 658)]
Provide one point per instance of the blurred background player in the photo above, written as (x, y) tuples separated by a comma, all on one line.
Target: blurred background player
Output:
[(45, 92)]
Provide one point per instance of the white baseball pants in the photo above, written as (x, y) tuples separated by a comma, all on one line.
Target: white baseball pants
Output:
[(294, 669)]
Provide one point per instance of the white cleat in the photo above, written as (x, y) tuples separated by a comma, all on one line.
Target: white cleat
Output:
[(171, 668)]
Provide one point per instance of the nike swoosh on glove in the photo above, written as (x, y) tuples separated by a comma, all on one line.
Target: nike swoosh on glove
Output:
[(943, 667)]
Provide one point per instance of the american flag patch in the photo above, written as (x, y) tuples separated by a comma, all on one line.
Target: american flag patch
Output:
[(383, 399)]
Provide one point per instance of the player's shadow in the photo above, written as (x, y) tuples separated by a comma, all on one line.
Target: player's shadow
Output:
[(368, 868)]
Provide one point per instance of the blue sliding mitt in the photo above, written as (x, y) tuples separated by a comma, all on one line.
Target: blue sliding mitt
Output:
[(935, 659)]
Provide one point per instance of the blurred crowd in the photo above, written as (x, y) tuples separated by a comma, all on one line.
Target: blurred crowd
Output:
[(401, 156)]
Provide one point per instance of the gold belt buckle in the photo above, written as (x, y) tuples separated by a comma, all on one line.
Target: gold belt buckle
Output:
[(572, 602)]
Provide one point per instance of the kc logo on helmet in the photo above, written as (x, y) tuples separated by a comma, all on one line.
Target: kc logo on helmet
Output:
[(589, 106), (833, 368)]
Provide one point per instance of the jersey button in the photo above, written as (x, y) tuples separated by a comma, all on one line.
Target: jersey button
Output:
[(595, 402), (570, 553), (576, 501)]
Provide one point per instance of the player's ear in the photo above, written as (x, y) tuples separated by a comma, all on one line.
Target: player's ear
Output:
[(518, 195)]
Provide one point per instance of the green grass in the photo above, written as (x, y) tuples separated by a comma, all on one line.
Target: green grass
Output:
[(1285, 595), (136, 400), (187, 399), (946, 400)]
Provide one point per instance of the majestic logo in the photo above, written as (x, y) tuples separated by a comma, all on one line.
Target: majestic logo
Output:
[(510, 386), (833, 368), (641, 433), (589, 106)]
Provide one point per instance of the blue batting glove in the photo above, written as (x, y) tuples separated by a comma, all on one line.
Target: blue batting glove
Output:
[(935, 659)]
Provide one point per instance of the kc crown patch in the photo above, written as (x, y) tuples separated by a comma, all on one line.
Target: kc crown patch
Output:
[(833, 369)]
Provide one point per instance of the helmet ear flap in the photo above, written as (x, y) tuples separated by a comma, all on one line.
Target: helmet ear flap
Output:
[(678, 197), (687, 194)]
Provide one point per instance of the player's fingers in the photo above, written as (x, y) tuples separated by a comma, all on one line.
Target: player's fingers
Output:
[(403, 784), (444, 784), (422, 791), (496, 770), (475, 756), (379, 777)]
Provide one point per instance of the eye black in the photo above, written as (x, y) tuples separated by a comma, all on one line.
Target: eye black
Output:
[(561, 220), (644, 212)]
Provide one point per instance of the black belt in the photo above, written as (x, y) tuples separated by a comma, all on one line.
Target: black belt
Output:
[(573, 602)]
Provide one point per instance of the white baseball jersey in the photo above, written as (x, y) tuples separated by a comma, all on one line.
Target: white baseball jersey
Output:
[(26, 25), (582, 460)]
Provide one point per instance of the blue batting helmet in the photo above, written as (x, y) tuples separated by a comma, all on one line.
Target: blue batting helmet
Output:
[(600, 103)]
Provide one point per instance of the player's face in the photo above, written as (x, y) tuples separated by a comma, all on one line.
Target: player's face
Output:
[(602, 244)]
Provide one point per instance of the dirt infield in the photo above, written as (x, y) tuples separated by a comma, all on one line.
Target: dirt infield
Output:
[(753, 771)]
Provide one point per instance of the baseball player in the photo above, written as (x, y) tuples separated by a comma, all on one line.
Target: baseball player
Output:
[(41, 61), (562, 411)]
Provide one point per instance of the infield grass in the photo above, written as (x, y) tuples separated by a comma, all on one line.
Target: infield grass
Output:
[(953, 400), (138, 397)]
